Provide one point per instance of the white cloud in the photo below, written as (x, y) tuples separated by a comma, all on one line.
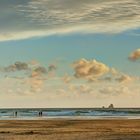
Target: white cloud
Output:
[(46, 17)]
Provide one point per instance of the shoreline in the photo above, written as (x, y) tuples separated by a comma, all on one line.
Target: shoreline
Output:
[(71, 118)]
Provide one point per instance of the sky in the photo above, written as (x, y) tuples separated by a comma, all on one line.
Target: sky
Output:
[(67, 53)]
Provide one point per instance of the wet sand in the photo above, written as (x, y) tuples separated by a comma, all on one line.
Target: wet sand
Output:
[(58, 129)]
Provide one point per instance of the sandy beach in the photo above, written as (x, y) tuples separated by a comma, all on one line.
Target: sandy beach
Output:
[(58, 129)]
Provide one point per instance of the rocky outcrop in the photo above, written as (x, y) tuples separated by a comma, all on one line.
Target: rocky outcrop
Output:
[(111, 106)]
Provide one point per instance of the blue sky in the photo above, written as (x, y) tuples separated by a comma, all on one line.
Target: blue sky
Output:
[(113, 50), (66, 51)]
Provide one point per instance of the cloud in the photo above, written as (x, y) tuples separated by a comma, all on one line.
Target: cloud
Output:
[(95, 71), (89, 69), (32, 67), (34, 76), (107, 78), (52, 67), (33, 63), (35, 18), (114, 72), (135, 55), (66, 78), (36, 84), (111, 90), (37, 78), (125, 78), (39, 71), (17, 66)]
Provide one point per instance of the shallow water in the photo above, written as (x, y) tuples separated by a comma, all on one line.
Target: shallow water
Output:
[(33, 113)]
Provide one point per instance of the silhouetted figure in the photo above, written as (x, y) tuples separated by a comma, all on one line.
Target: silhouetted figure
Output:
[(15, 113), (40, 113)]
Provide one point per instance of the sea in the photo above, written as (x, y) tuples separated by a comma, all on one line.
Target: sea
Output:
[(70, 113)]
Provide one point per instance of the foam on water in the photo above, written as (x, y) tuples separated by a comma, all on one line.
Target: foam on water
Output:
[(70, 113)]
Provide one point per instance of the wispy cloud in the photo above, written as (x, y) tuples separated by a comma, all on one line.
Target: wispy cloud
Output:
[(46, 17)]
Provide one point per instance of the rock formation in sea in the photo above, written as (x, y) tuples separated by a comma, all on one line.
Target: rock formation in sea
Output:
[(103, 107), (111, 106)]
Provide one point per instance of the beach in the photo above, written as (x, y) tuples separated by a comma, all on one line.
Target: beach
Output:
[(70, 129)]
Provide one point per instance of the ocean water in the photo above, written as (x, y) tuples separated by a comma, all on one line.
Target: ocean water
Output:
[(33, 113)]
